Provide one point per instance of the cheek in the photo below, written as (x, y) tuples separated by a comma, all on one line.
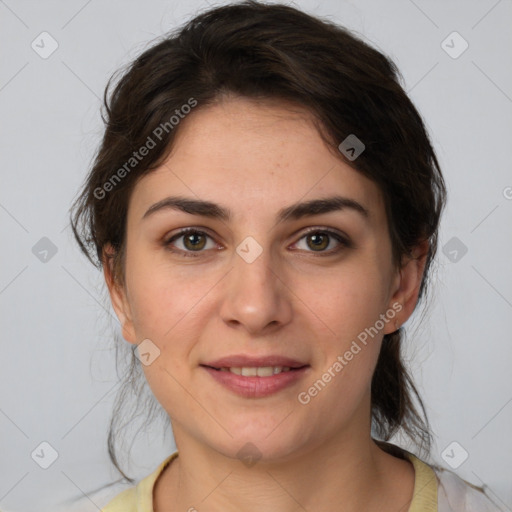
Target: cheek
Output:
[(166, 305), (348, 302), (166, 302), (348, 308)]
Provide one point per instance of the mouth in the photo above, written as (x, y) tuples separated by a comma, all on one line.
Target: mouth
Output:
[(256, 377), (256, 371)]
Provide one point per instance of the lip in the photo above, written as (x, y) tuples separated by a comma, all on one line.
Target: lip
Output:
[(237, 361), (256, 387)]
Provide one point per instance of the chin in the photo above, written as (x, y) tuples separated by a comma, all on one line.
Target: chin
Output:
[(267, 439)]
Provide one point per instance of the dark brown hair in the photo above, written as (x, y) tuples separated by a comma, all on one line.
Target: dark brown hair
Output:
[(262, 51)]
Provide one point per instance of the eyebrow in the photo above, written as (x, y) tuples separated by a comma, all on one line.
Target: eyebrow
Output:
[(293, 212)]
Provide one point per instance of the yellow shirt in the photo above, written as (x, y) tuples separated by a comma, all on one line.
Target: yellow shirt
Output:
[(140, 498)]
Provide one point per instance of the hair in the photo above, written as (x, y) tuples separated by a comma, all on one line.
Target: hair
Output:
[(273, 52)]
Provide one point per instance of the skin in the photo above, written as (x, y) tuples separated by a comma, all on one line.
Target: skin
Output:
[(256, 158)]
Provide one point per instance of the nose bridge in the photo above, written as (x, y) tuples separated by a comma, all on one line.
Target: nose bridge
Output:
[(256, 296), (254, 265)]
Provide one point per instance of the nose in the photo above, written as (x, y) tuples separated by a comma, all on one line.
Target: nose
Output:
[(257, 298)]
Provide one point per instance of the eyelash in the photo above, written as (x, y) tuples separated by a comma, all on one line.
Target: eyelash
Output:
[(343, 241)]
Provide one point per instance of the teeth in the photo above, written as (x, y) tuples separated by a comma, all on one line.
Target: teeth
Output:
[(249, 372), (261, 371)]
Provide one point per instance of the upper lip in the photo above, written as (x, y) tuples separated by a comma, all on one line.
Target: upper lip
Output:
[(244, 361)]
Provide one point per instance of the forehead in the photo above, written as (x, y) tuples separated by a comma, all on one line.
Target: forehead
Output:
[(256, 157)]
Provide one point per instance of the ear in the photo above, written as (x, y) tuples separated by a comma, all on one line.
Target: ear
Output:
[(118, 296), (407, 286)]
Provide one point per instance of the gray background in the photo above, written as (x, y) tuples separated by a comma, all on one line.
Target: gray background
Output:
[(58, 377)]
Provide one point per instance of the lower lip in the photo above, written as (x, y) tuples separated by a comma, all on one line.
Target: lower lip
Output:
[(256, 387)]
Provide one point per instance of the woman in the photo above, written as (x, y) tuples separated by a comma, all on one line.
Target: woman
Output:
[(265, 207)]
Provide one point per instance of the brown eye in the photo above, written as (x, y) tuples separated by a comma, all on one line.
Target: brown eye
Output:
[(194, 241), (323, 241), (190, 241), (318, 241)]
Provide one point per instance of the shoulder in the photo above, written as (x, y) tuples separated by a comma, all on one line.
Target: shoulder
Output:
[(455, 494), (140, 497), (123, 502), (438, 489)]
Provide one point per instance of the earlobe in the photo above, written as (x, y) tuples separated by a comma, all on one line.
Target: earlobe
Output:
[(407, 285), (118, 296)]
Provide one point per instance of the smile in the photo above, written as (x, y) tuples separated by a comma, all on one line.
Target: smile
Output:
[(253, 371), (256, 381)]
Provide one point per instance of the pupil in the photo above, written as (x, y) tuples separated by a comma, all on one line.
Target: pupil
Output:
[(194, 241), (318, 240)]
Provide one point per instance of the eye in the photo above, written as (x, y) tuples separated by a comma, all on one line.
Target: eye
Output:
[(189, 240), (318, 240)]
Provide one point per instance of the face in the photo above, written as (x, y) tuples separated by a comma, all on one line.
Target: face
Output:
[(266, 317)]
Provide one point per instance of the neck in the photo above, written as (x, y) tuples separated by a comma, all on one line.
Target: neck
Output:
[(352, 471)]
